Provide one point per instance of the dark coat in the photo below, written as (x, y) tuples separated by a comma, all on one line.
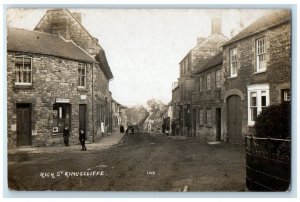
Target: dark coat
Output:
[(66, 133), (82, 136)]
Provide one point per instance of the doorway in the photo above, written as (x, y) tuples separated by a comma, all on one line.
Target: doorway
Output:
[(82, 117), (234, 119), (218, 124), (24, 137)]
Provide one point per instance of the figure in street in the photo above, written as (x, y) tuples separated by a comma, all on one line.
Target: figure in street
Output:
[(121, 129), (82, 138), (66, 135)]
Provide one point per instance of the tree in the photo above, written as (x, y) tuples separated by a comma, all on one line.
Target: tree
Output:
[(154, 105)]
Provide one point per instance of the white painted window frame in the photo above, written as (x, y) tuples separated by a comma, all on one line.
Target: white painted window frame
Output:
[(232, 61), (258, 89), (260, 51), (24, 83), (85, 75)]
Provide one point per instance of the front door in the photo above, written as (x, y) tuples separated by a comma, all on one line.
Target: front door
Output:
[(23, 124), (82, 117), (234, 119), (218, 124)]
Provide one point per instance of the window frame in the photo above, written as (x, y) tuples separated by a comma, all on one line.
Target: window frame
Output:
[(259, 89), (80, 75), (201, 84), (233, 62), (259, 53), (208, 81), (209, 118), (23, 70), (218, 79), (201, 114)]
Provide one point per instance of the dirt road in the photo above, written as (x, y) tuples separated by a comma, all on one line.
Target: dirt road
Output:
[(146, 162)]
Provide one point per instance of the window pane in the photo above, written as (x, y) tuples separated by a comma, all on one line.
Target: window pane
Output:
[(253, 113), (253, 99)]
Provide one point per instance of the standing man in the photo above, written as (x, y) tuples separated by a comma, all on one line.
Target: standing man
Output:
[(82, 138), (66, 135)]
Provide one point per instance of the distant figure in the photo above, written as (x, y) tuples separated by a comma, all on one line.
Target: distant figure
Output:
[(121, 129), (82, 138), (66, 135), (102, 129), (173, 127)]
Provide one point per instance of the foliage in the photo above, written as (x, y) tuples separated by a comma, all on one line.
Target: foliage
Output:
[(155, 105), (136, 114), (274, 121)]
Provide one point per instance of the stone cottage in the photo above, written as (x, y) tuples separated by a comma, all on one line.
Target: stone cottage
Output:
[(49, 86), (57, 75), (257, 73), (206, 48), (69, 25), (206, 103)]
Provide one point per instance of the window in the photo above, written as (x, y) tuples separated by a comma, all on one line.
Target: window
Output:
[(261, 64), (61, 117), (286, 95), (23, 70), (201, 117), (233, 62), (81, 75), (258, 99), (208, 82), (200, 84), (208, 117), (218, 78)]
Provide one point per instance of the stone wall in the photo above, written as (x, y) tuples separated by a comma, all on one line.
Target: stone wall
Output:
[(277, 75)]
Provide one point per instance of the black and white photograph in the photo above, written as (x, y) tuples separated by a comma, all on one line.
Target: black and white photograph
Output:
[(148, 99)]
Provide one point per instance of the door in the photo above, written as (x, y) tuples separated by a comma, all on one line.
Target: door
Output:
[(234, 120), (194, 122), (82, 117), (218, 124), (23, 124)]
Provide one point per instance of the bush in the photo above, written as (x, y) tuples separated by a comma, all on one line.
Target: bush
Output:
[(274, 121)]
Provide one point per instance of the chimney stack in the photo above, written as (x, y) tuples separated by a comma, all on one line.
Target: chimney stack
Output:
[(77, 16), (216, 25)]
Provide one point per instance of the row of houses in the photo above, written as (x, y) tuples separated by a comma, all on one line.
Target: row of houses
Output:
[(58, 75), (225, 83)]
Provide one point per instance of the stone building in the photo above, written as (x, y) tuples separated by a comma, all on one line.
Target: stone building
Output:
[(257, 73), (57, 75), (206, 48), (48, 87), (69, 25), (206, 102)]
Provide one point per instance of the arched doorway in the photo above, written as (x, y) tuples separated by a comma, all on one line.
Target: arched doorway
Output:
[(234, 119)]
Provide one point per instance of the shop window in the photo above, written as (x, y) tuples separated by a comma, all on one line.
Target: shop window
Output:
[(61, 117)]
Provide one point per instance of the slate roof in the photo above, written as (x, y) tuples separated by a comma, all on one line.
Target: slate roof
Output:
[(216, 60), (263, 23), (27, 41)]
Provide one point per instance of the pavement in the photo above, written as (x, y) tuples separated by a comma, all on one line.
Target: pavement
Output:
[(105, 142)]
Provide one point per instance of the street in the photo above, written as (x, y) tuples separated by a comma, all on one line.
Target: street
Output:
[(143, 162)]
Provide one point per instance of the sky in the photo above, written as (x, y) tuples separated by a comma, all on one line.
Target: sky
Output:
[(144, 46)]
